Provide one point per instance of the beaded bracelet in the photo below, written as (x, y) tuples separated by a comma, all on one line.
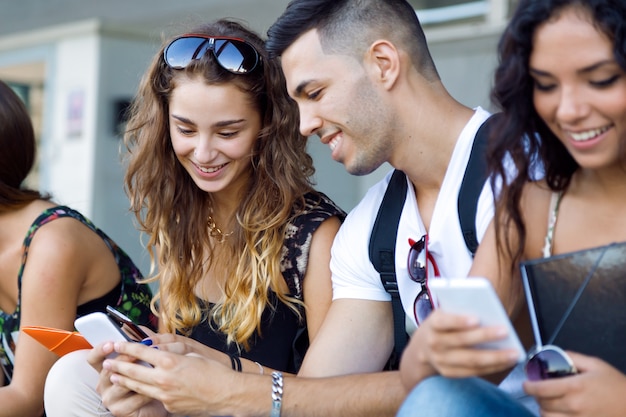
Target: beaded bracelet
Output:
[(277, 393)]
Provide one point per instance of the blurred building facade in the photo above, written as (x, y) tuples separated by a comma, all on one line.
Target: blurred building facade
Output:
[(77, 64)]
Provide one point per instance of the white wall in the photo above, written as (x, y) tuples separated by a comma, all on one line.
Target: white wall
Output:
[(71, 144), (122, 62), (466, 65)]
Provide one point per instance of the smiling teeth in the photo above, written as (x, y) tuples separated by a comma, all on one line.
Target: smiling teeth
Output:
[(590, 134), (333, 143), (210, 170)]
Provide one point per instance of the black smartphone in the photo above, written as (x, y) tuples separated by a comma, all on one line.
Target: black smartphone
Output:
[(134, 331)]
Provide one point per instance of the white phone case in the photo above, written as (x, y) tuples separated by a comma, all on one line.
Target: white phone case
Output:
[(476, 296), (98, 328)]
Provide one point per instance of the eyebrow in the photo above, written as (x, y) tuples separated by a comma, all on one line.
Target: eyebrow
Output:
[(222, 123), (585, 70), (182, 119), (225, 123), (300, 88)]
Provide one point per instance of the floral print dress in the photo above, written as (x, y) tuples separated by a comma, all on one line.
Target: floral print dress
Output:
[(129, 297)]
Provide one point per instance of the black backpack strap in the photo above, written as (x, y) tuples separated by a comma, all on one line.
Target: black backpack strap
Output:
[(473, 183), (382, 255), (385, 231)]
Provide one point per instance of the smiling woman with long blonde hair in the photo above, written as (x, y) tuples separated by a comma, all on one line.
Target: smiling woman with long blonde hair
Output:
[(219, 179)]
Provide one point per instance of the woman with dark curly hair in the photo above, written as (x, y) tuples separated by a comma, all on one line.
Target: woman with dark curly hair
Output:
[(561, 84), (55, 265), (219, 179)]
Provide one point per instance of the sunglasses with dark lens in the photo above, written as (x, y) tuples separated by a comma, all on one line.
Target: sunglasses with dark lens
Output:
[(417, 265), (233, 54), (550, 361)]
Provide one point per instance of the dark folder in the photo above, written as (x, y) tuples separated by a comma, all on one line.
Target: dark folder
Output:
[(596, 324)]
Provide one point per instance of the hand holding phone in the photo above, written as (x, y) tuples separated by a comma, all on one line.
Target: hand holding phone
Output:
[(476, 296)]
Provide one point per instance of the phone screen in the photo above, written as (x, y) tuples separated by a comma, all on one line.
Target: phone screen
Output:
[(127, 325)]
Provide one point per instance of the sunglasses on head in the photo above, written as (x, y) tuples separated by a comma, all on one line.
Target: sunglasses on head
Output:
[(233, 54), (417, 265)]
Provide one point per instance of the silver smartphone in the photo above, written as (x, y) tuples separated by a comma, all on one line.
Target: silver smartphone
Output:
[(476, 296)]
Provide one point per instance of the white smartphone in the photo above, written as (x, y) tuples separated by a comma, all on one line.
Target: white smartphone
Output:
[(476, 296), (98, 328)]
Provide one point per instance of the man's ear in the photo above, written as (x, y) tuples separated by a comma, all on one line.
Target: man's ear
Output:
[(383, 60)]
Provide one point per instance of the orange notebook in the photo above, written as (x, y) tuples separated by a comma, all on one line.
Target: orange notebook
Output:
[(58, 341)]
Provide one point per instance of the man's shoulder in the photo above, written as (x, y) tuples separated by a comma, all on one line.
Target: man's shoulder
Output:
[(355, 232), (477, 120)]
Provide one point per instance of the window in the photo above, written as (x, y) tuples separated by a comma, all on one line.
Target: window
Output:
[(27, 80), (22, 90), (441, 11)]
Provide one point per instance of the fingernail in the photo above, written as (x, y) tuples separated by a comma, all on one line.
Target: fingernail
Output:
[(514, 356), (501, 331), (147, 342), (472, 321)]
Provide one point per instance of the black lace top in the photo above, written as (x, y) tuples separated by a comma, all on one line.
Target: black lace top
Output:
[(284, 337)]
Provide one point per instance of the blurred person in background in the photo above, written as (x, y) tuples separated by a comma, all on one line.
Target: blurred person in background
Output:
[(55, 265)]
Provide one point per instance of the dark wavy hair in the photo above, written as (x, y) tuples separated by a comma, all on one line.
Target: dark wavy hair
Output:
[(17, 151), (350, 26), (521, 131), (173, 211)]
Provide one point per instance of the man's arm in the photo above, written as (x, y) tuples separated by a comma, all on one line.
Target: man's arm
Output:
[(356, 337), (360, 395), (200, 386), (355, 340), (338, 377)]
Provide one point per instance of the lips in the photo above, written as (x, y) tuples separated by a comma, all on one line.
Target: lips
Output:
[(588, 134), (210, 170), (332, 140)]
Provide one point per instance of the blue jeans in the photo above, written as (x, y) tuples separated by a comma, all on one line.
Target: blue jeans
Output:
[(471, 397)]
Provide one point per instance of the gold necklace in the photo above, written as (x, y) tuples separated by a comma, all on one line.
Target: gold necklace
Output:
[(216, 232)]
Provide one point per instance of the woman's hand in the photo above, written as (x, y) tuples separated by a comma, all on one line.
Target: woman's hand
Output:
[(598, 390), (119, 400), (184, 384), (182, 345), (446, 343)]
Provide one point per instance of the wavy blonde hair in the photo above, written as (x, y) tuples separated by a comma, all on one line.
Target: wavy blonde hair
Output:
[(173, 211)]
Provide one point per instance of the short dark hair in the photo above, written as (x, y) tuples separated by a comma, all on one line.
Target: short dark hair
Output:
[(350, 26)]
